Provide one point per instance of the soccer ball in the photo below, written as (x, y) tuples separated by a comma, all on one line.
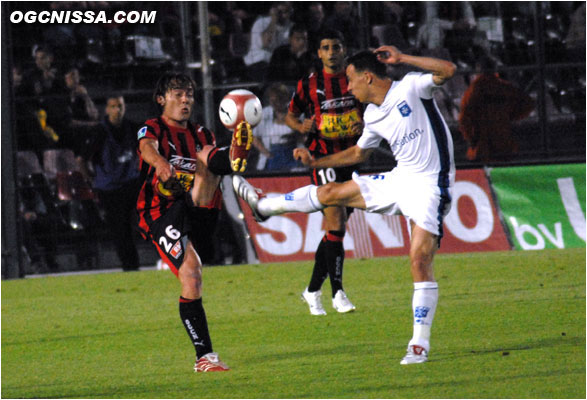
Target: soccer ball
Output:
[(240, 105)]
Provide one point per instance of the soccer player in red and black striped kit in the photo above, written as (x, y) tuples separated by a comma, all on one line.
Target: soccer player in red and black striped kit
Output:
[(333, 122), (181, 168)]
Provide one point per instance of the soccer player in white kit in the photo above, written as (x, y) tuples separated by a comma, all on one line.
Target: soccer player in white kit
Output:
[(405, 114)]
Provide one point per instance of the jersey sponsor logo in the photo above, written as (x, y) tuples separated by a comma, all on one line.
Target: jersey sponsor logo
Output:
[(176, 251), (142, 132), (185, 163), (408, 137), (404, 109), (337, 103), (335, 126)]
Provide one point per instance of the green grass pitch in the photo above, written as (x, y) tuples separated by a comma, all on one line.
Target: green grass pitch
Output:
[(508, 325)]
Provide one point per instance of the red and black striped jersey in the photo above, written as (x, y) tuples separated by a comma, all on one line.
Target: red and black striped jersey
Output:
[(180, 147), (326, 96)]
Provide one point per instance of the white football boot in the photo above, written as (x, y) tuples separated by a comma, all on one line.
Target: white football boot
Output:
[(341, 303), (248, 193), (415, 355), (314, 300)]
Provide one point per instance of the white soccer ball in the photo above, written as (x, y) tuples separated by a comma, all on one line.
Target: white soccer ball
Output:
[(240, 105)]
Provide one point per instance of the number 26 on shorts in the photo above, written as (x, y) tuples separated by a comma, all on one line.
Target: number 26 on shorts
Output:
[(170, 233)]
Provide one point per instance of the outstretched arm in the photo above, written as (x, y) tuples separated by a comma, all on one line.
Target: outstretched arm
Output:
[(351, 156), (442, 70)]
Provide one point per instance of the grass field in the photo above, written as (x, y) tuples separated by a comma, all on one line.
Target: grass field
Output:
[(508, 325)]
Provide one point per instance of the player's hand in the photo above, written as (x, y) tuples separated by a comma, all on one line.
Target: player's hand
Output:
[(388, 54), (165, 171), (303, 155), (309, 125), (174, 186)]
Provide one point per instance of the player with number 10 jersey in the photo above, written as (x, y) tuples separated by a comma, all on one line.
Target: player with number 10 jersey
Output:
[(333, 123)]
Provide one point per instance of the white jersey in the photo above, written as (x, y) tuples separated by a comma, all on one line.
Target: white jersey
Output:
[(418, 136)]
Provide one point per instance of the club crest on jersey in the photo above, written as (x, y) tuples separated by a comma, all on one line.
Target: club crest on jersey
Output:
[(176, 250), (404, 109), (142, 132)]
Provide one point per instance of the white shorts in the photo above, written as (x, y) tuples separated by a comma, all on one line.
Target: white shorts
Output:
[(417, 199)]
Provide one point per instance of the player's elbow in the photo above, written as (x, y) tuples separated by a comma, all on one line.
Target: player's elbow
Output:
[(360, 155)]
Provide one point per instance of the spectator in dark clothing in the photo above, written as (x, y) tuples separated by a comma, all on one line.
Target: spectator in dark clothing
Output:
[(292, 61), (112, 152), (43, 98), (488, 107), (344, 19), (81, 109), (314, 19)]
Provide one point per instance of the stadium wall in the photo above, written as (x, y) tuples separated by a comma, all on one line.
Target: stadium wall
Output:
[(523, 208)]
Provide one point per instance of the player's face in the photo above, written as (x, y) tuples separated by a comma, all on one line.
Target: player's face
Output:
[(358, 83), (177, 104), (331, 52), (115, 110)]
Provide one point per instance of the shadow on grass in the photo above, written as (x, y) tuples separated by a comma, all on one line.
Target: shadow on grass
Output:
[(530, 345)]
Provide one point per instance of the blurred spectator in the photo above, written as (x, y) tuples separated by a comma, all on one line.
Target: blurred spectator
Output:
[(440, 18), (386, 25), (291, 61), (575, 39), (313, 19), (488, 107), (273, 138), (82, 110), (43, 79), (38, 218), (228, 40), (345, 20), (41, 108), (113, 157), (268, 33)]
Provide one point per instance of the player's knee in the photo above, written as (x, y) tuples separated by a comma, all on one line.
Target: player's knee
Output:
[(328, 194), (421, 262)]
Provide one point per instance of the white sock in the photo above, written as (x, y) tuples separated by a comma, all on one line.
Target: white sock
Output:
[(304, 199), (424, 306)]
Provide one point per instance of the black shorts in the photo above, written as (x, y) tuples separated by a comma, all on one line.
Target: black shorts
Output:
[(322, 176), (180, 223)]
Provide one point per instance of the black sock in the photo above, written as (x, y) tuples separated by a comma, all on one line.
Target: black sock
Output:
[(320, 270), (335, 259), (194, 320)]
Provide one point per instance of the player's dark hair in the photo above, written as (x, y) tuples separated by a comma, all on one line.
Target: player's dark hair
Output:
[(170, 81), (329, 34), (367, 61)]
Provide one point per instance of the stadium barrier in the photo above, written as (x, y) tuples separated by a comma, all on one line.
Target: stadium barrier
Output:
[(546, 197), (543, 206)]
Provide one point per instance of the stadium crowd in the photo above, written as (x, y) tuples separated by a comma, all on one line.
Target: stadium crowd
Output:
[(65, 77)]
